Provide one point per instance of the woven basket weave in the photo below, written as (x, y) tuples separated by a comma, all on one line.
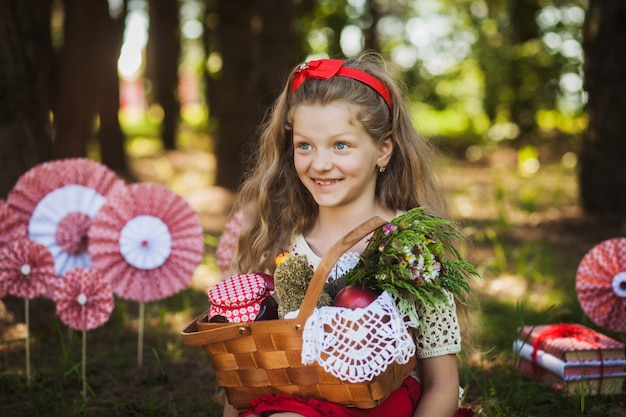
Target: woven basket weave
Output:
[(260, 358)]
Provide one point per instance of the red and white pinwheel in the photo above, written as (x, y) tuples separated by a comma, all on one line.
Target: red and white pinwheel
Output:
[(601, 284), (227, 246), (83, 298), (12, 228), (26, 269), (147, 240), (57, 201), (84, 301)]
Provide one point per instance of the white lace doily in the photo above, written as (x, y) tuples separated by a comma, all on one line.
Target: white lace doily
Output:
[(357, 345)]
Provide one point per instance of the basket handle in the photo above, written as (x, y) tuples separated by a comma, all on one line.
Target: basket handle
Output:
[(328, 261), (193, 337)]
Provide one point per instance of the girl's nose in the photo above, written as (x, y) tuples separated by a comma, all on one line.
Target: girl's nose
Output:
[(322, 161)]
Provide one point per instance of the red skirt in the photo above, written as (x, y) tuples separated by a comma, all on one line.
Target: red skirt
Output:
[(401, 403)]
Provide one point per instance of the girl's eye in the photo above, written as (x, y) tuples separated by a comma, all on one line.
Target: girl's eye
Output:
[(303, 146), (341, 146)]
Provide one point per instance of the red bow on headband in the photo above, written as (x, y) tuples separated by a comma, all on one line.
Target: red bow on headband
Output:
[(324, 69)]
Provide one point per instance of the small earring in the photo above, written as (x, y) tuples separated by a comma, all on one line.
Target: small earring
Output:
[(382, 168)]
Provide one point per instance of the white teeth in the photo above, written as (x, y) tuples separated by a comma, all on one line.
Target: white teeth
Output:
[(324, 182)]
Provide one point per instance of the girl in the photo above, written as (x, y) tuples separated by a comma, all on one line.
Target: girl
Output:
[(337, 148)]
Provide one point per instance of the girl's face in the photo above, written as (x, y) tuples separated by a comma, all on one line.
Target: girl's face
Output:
[(334, 156)]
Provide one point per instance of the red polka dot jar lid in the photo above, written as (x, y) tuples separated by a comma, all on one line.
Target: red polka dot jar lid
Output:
[(238, 298)]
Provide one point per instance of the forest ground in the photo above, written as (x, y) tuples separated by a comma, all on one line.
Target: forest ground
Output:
[(526, 233)]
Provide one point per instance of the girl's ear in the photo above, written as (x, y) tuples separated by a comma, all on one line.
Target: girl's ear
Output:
[(385, 150)]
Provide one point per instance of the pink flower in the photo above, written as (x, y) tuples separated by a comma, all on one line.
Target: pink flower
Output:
[(389, 228)]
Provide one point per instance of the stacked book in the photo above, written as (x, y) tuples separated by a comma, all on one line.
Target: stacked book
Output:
[(572, 358)]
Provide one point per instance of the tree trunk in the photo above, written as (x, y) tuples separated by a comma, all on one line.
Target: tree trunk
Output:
[(524, 28), (235, 90), (88, 84), (370, 33), (603, 154), (79, 70), (256, 43), (163, 55), (25, 62), (277, 49), (110, 136)]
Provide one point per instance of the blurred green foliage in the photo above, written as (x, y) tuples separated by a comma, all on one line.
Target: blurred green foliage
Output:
[(478, 71)]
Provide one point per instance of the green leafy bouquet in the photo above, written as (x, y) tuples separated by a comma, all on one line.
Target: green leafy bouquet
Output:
[(413, 259)]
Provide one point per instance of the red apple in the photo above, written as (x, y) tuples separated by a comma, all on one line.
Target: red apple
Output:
[(354, 296)]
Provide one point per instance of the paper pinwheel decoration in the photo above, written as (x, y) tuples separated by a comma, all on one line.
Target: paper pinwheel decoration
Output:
[(57, 201), (147, 240), (26, 271), (84, 301), (227, 246), (11, 226), (601, 284), (83, 298)]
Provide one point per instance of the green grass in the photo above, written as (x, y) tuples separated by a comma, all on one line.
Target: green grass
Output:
[(174, 380), (527, 237)]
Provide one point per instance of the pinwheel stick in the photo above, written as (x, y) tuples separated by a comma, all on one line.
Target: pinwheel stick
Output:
[(27, 320), (140, 325), (84, 364)]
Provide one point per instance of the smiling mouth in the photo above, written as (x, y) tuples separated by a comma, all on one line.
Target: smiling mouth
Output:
[(325, 182)]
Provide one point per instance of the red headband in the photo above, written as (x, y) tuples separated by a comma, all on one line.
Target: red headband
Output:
[(325, 69)]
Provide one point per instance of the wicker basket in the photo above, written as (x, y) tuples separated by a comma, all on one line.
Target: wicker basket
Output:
[(260, 358)]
